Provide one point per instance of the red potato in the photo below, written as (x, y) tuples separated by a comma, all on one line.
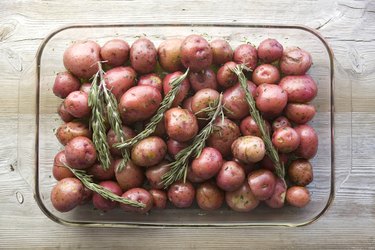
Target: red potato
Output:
[(267, 163), (155, 174), (203, 80), (115, 52), (81, 58), (262, 183), (222, 52), (87, 196), (300, 113), (169, 55), (59, 171), (130, 177), (241, 199), (231, 176), (149, 151), (249, 127), (277, 199), (181, 194), (285, 139), (143, 56), (85, 87), (112, 139), (76, 104), (270, 99), (235, 102), (280, 122), (270, 50), (80, 153), (202, 100), (300, 172), (118, 80), (224, 134), (102, 203), (159, 130), (139, 103), (300, 89), (183, 89), (248, 149), (249, 167), (98, 173), (308, 146), (174, 147), (209, 196), (295, 61), (207, 164), (196, 53), (187, 104), (225, 76), (298, 196), (70, 130), (246, 54), (159, 198), (192, 177), (266, 73), (67, 194), (180, 124), (65, 83), (152, 80), (64, 115), (139, 195)]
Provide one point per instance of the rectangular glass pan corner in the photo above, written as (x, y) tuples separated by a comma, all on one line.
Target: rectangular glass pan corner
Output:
[(49, 62)]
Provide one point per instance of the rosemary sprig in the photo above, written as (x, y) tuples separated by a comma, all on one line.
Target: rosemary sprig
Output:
[(178, 168), (165, 104), (105, 193), (270, 149)]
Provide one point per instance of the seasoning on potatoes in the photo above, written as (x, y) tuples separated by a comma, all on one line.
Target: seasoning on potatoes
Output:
[(149, 151), (130, 176), (241, 199), (102, 203), (196, 53), (270, 50), (139, 195), (181, 194), (222, 52), (207, 164), (295, 61), (230, 176), (67, 194), (285, 139), (248, 149), (143, 56), (152, 80), (183, 89), (202, 100), (70, 130), (65, 83), (298, 196), (169, 55), (80, 153), (203, 80), (300, 172), (118, 80), (246, 54), (209, 196), (180, 124), (115, 52)]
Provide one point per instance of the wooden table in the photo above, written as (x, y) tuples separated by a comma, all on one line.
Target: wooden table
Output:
[(349, 27)]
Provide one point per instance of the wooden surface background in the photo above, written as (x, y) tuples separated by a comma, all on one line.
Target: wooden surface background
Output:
[(349, 27)]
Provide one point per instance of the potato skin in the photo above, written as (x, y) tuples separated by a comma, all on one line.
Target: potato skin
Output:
[(192, 177), (277, 199), (102, 203), (285, 139), (169, 55), (196, 53), (80, 153), (295, 61), (181, 93), (300, 89), (85, 87), (267, 163), (159, 198), (308, 146), (130, 177), (222, 52), (298, 196), (280, 122), (67, 194), (225, 76), (180, 124), (223, 136), (181, 194), (300, 172), (246, 54), (207, 164), (174, 147), (203, 80), (270, 50), (64, 84), (155, 174), (249, 127), (59, 171), (241, 199), (76, 103), (139, 103), (81, 58), (270, 99), (64, 114), (143, 56), (118, 80), (262, 183), (266, 73), (98, 173), (209, 196), (300, 113), (70, 130), (140, 195), (248, 149), (115, 52), (112, 139), (152, 80), (149, 151), (202, 100), (230, 176)]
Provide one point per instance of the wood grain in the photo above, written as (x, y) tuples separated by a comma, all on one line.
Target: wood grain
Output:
[(349, 27)]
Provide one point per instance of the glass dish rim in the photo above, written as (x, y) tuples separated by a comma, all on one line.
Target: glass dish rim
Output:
[(61, 221)]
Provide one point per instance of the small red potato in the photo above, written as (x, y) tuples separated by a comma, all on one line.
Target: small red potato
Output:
[(70, 130), (80, 153), (196, 53), (187, 104), (59, 170), (87, 196), (300, 113), (181, 194), (102, 203), (67, 194), (285, 139), (277, 199), (112, 139), (270, 99), (81, 58), (308, 146), (174, 147), (202, 100), (76, 103), (246, 54), (300, 89), (65, 83), (262, 183), (143, 56), (207, 164), (139, 103), (98, 173), (115, 52), (209, 196), (300, 172), (270, 50), (231, 176), (295, 61), (118, 80), (241, 199), (149, 151), (266, 73), (248, 149), (130, 177), (280, 122), (203, 80), (222, 52), (249, 127), (192, 177), (64, 115), (180, 124), (298, 196), (169, 55), (155, 174), (85, 87), (159, 198), (225, 76), (152, 80), (183, 89), (139, 195)]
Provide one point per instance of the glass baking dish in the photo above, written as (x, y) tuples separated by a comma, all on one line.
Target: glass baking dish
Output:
[(38, 119)]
